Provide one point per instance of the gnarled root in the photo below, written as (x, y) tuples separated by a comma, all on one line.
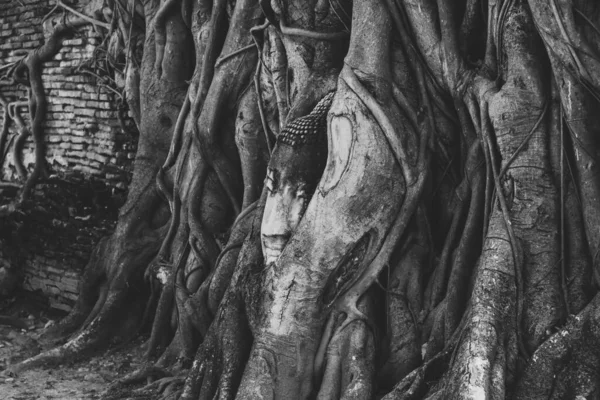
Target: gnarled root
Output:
[(350, 359), (121, 296), (221, 358), (443, 320), (402, 350), (566, 365)]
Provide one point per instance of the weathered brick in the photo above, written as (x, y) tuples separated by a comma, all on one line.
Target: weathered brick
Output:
[(85, 111), (106, 114), (82, 135)]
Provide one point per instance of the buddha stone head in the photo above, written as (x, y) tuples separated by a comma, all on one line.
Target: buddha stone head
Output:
[(294, 171)]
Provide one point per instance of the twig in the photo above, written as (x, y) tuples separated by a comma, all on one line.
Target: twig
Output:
[(567, 38), (261, 111), (499, 33), (20, 141), (12, 109), (404, 104), (4, 130), (226, 57), (9, 185), (259, 98), (83, 16), (286, 30), (160, 34), (563, 267), (384, 122), (49, 13), (7, 65), (102, 78), (227, 249), (587, 20)]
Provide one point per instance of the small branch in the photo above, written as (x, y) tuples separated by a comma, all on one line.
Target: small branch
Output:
[(103, 79), (160, 33), (8, 65), (350, 78), (499, 34), (4, 185), (4, 130), (404, 104), (332, 36), (12, 110), (20, 141), (224, 58), (259, 99), (582, 15), (92, 21), (261, 111), (49, 13), (33, 64), (563, 267)]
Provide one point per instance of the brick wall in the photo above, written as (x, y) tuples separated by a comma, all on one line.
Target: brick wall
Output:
[(88, 154)]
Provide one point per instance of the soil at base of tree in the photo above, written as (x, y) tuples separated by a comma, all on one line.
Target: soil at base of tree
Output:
[(86, 379)]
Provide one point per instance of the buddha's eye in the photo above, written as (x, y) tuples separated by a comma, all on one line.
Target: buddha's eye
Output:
[(271, 181), (303, 192)]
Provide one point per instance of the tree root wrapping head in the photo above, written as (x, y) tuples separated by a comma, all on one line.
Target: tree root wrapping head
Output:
[(429, 222)]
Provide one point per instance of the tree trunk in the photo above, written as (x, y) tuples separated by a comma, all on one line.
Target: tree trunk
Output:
[(445, 245)]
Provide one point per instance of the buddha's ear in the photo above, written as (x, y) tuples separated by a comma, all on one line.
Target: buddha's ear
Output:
[(341, 140)]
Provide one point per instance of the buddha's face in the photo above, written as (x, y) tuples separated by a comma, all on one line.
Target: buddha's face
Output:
[(292, 177)]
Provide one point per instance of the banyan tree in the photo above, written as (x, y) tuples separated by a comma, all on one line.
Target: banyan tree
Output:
[(338, 199)]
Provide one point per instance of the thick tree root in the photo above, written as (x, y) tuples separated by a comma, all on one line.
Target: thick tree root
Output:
[(488, 346), (402, 344), (445, 317), (349, 361), (566, 365)]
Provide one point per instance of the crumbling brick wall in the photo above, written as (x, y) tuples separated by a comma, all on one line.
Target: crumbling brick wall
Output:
[(88, 153)]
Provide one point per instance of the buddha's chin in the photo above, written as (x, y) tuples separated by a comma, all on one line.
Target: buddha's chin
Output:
[(271, 255)]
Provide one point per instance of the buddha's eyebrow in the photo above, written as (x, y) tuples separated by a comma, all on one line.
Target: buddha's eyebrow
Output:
[(273, 175)]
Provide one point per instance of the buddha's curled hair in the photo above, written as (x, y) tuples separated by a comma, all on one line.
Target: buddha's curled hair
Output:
[(310, 129)]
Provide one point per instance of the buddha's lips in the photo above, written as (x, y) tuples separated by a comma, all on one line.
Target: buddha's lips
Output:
[(273, 248)]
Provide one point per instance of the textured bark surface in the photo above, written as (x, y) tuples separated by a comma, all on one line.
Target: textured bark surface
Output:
[(448, 250)]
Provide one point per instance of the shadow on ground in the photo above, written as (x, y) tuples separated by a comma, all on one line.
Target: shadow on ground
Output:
[(22, 322)]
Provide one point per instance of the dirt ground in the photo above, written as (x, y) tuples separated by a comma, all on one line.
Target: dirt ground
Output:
[(86, 379)]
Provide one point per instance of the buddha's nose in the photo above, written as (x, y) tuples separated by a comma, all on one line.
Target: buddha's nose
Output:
[(280, 218)]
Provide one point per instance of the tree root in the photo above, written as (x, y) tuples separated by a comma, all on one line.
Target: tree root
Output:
[(413, 386), (14, 114), (32, 63), (91, 280), (489, 338), (4, 129), (445, 317), (168, 387), (414, 178), (82, 344), (123, 265), (566, 365), (160, 33), (221, 358), (401, 346), (348, 371), (148, 372)]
